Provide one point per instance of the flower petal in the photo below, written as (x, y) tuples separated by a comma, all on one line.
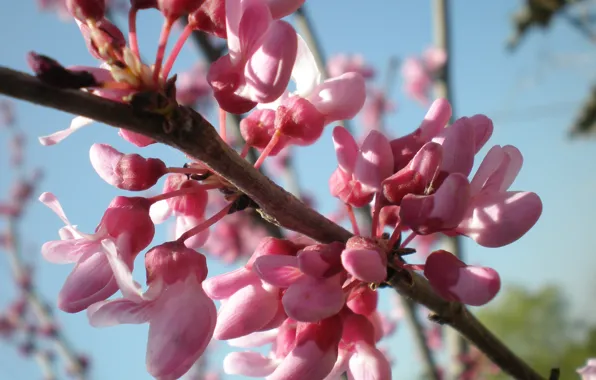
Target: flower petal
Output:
[(375, 161), (310, 300), (278, 270), (306, 72), (68, 251), (250, 364), (346, 149), (120, 311), (76, 124), (340, 98), (364, 264), (180, 329)]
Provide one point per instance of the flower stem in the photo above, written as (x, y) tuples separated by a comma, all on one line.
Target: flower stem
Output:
[(161, 49), (395, 235), (408, 240), (206, 224), (132, 32), (223, 125), (180, 192), (268, 149), (375, 218), (353, 221), (186, 32)]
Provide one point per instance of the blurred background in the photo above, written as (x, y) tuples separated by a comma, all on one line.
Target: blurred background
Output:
[(527, 64)]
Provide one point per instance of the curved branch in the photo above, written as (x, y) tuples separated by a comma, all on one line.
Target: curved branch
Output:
[(196, 137)]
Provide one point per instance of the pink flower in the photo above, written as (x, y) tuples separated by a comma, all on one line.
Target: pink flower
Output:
[(180, 315), (262, 52), (361, 169), (188, 209), (248, 304), (495, 216), (418, 73), (588, 372), (126, 171), (125, 224), (340, 64), (456, 281)]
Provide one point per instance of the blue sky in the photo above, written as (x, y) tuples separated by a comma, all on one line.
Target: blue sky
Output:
[(532, 95)]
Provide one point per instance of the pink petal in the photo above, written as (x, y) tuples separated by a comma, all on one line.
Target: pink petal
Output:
[(455, 281), (104, 160), (53, 204), (180, 329), (160, 211), (458, 147), (267, 72), (256, 19), (515, 163), (483, 130), (121, 311), (346, 149), (310, 300), (250, 364), (76, 124), (255, 339), (282, 8), (134, 138), (90, 281), (246, 311), (278, 270), (340, 98), (443, 210), (122, 271), (375, 162), (498, 219), (369, 363), (224, 285), (364, 264), (476, 285), (68, 251), (234, 11), (491, 162), (306, 72)]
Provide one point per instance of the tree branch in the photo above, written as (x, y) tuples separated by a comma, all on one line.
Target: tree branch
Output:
[(194, 136)]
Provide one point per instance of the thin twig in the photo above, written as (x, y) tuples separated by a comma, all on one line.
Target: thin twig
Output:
[(38, 306), (194, 136)]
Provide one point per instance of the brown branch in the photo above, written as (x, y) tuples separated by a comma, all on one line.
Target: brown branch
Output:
[(194, 136)]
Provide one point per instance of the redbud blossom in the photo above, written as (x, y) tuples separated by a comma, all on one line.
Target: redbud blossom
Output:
[(84, 10), (125, 171), (174, 9), (456, 281), (126, 224), (361, 169), (418, 73), (588, 372), (180, 315)]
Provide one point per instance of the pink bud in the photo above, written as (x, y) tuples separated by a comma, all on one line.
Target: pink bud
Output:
[(298, 119), (87, 9), (456, 281), (130, 216), (125, 171), (210, 17), (173, 261), (363, 300), (173, 9), (273, 246), (321, 260), (135, 138), (193, 203)]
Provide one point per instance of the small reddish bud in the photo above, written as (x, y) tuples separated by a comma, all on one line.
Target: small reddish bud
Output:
[(173, 9), (173, 261), (48, 70), (210, 17), (300, 120), (87, 9), (126, 171)]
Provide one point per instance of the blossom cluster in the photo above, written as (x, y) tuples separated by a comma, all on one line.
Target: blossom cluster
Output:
[(315, 303)]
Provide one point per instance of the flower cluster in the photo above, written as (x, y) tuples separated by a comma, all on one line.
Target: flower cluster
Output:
[(316, 303)]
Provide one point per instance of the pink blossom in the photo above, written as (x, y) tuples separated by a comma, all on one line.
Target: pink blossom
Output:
[(418, 73), (259, 63), (243, 287), (341, 63), (125, 224), (456, 281), (375, 108), (361, 169), (125, 171), (588, 372), (180, 315), (188, 209)]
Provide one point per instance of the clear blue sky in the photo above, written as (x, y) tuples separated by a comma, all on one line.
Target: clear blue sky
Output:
[(531, 97)]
